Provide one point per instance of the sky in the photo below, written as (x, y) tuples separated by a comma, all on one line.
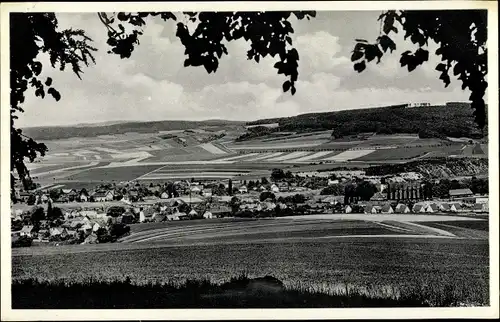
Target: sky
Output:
[(154, 85)]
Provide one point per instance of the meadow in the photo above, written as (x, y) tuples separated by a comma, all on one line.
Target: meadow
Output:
[(434, 267)]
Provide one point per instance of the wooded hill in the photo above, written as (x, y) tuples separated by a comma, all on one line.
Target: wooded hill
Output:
[(64, 132), (452, 120)]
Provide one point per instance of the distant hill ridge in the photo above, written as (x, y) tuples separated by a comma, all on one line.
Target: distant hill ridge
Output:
[(455, 119), (109, 128)]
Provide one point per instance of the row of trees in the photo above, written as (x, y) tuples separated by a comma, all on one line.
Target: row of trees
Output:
[(477, 186)]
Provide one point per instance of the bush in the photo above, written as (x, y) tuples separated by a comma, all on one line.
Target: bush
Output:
[(22, 241), (267, 195)]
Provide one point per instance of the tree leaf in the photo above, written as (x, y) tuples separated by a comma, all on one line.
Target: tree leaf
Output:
[(286, 86), (36, 67), (52, 91), (40, 92), (356, 55), (359, 67), (441, 67)]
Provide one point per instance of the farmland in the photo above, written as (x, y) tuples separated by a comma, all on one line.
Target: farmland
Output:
[(317, 242), (213, 153), (325, 265)]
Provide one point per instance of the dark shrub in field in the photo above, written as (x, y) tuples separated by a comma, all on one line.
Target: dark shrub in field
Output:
[(240, 292), (22, 241)]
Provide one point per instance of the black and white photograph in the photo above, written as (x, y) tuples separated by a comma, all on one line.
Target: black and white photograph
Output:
[(264, 156)]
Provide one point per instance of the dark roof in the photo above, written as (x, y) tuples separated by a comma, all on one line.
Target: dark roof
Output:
[(386, 207), (220, 209), (379, 196), (100, 193), (461, 192)]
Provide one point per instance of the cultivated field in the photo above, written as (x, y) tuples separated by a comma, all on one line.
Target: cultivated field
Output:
[(85, 162), (324, 253)]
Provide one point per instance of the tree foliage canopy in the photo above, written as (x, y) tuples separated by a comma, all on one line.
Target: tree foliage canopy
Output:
[(461, 36)]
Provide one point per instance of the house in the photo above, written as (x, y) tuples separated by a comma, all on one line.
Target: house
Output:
[(386, 209), (243, 189), (102, 196), (348, 209), (88, 213), (481, 199), (72, 233), (44, 224), (207, 193), (274, 188), (460, 193), (71, 194), (91, 239), (402, 209), (127, 218), (196, 189), (86, 228), (174, 216), (270, 205), (133, 195), (282, 205), (158, 217), (445, 207), (455, 207), (58, 232), (225, 198), (193, 213), (43, 233), (44, 198), (332, 200), (96, 226), (378, 196), (333, 181), (208, 215), (432, 208), (28, 231), (150, 198), (24, 196), (262, 188), (283, 186), (419, 208), (220, 211), (75, 224), (84, 196), (371, 210), (164, 195), (17, 219), (479, 208)]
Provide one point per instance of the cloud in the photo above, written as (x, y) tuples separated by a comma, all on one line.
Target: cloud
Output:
[(154, 85)]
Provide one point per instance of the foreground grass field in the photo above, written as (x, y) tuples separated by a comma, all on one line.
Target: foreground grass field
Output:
[(399, 259), (239, 292), (431, 265)]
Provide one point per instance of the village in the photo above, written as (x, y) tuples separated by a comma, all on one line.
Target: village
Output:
[(68, 216)]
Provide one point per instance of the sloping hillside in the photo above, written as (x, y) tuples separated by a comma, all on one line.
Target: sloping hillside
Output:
[(64, 132), (450, 120)]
